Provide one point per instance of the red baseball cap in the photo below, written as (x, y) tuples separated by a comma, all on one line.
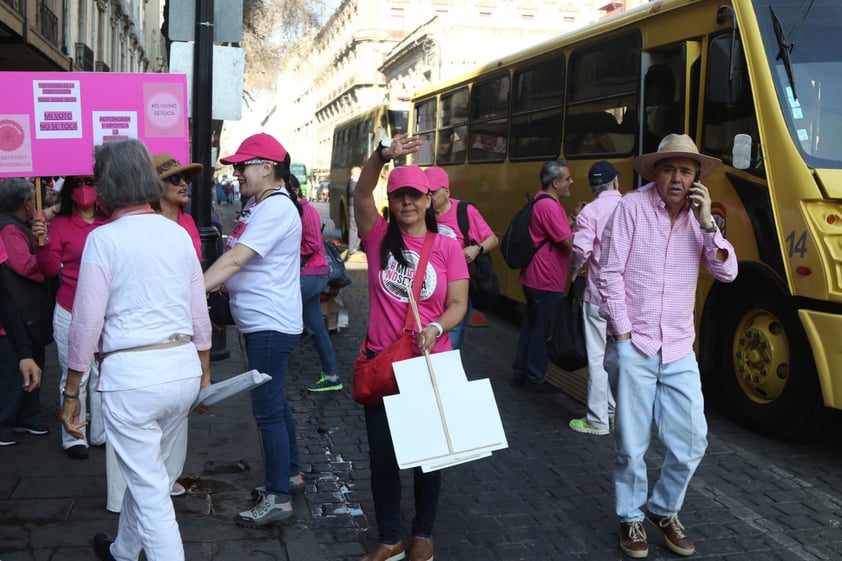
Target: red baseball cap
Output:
[(437, 178), (260, 145), (407, 176)]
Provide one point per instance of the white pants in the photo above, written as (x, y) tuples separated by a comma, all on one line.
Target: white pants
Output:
[(87, 387), (174, 464), (600, 397), (141, 425)]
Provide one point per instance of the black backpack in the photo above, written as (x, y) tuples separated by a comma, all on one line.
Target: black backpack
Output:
[(517, 248), (484, 286)]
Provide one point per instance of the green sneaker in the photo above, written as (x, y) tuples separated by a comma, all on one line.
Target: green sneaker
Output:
[(325, 385), (582, 425)]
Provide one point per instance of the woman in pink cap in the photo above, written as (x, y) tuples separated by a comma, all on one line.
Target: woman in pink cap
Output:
[(260, 271), (394, 250)]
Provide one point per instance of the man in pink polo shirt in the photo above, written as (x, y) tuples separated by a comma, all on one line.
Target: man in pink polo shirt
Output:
[(587, 247), (544, 278), (652, 248)]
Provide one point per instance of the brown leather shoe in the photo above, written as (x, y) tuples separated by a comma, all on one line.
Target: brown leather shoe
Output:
[(386, 552), (633, 539), (421, 549), (675, 538)]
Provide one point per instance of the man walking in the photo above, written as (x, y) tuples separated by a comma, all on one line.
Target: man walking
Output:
[(652, 248), (587, 247)]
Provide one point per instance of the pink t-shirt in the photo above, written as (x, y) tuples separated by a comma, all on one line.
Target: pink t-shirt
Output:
[(548, 270), (63, 251), (478, 228), (312, 246), (186, 221), (3, 258), (386, 292)]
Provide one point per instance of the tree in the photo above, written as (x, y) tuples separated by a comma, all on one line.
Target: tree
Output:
[(275, 28)]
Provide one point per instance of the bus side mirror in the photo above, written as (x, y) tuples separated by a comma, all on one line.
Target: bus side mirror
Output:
[(741, 152)]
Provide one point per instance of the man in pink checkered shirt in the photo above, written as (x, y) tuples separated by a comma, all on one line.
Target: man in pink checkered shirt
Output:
[(652, 249)]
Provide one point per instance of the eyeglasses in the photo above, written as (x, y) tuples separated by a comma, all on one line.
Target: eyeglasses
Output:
[(241, 166), (176, 179)]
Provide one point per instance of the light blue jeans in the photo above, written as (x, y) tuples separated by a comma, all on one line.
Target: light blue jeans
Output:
[(671, 394), (457, 334)]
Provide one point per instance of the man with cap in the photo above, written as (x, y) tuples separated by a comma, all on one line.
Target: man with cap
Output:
[(481, 238), (652, 248), (587, 236)]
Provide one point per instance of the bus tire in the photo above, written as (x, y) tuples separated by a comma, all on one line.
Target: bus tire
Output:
[(763, 366)]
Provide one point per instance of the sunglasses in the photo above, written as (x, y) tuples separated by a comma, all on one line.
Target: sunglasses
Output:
[(176, 179), (241, 166), (80, 182)]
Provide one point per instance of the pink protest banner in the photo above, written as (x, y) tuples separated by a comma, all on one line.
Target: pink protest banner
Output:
[(51, 121)]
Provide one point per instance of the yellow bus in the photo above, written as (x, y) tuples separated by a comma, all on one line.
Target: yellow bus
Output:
[(353, 141), (718, 70)]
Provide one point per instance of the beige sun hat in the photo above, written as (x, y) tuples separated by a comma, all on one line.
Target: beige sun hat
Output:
[(675, 146), (167, 166)]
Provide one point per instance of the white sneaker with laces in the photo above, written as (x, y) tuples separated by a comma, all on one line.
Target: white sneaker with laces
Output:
[(268, 509)]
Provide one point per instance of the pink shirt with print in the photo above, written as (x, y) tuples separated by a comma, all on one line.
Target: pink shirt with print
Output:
[(548, 268), (386, 288)]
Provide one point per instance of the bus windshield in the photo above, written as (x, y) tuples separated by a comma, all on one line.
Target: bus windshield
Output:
[(803, 45)]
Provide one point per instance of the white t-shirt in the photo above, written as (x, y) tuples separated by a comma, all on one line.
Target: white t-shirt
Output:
[(266, 292)]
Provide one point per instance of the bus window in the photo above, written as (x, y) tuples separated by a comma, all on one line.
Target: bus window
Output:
[(489, 120), (602, 96), (425, 129), (453, 127), (728, 113), (663, 97), (537, 100)]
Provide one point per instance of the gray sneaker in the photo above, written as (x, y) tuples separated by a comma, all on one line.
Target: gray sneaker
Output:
[(269, 509)]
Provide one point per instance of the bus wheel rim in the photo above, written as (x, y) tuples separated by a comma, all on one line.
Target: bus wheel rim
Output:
[(761, 356)]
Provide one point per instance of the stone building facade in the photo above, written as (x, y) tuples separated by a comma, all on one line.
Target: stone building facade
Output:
[(80, 35)]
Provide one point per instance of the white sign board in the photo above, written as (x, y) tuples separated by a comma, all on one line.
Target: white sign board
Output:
[(228, 71), (436, 429)]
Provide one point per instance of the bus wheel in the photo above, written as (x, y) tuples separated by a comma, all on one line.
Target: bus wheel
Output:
[(765, 365)]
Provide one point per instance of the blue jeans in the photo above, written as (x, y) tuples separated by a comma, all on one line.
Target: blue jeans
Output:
[(386, 483), (268, 352), (458, 332), (671, 394), (531, 355), (311, 287)]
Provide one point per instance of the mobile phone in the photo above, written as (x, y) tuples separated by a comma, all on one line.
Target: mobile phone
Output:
[(695, 180)]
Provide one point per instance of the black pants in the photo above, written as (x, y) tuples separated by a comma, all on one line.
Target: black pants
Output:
[(17, 407)]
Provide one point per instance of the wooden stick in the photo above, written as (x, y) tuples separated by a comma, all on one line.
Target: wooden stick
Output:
[(432, 373), (38, 208)]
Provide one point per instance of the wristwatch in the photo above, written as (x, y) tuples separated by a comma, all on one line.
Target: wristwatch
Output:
[(384, 143)]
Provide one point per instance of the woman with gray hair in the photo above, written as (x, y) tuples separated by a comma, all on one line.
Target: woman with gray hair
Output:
[(155, 345)]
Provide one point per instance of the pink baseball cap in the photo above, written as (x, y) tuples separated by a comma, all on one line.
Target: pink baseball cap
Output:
[(407, 176), (262, 145), (437, 178)]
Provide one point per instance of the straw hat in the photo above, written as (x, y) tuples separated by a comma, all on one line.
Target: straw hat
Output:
[(675, 146), (167, 166)]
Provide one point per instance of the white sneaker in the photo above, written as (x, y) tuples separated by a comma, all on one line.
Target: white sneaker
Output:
[(269, 509)]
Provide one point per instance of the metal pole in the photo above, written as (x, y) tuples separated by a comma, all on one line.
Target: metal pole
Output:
[(201, 148)]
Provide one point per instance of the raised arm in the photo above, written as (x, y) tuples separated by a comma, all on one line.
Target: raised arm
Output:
[(365, 211)]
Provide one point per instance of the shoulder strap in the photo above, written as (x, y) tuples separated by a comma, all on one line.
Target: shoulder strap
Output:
[(462, 220), (420, 270), (535, 200)]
